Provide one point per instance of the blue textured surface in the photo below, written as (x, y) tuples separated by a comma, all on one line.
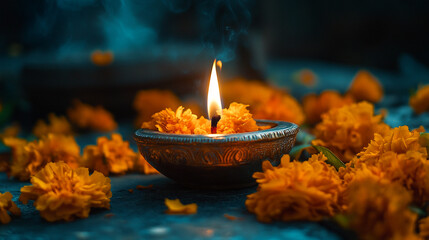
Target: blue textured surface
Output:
[(140, 215)]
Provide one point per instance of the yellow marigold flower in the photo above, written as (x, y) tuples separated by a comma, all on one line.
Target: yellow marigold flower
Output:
[(144, 167), (149, 102), (236, 119), (176, 207), (29, 158), (379, 210), (347, 130), (169, 121), (56, 125), (89, 117), (265, 102), (314, 106), (7, 205), (62, 193), (202, 126), (398, 140), (352, 172), (366, 87), (296, 190), (420, 101), (410, 169), (241, 90), (280, 106), (109, 156)]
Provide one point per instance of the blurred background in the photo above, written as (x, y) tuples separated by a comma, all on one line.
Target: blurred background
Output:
[(103, 51)]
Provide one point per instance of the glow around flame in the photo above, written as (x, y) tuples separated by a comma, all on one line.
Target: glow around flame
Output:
[(214, 105)]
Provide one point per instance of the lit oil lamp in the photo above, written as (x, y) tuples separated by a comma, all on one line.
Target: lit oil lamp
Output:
[(216, 161)]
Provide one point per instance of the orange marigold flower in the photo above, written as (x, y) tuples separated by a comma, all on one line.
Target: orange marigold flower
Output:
[(62, 193), (396, 157), (101, 58), (398, 140), (96, 118), (265, 102), (7, 205), (296, 190), (109, 156), (366, 87), (379, 210), (280, 106), (56, 125), (176, 207), (358, 171), (148, 102), (420, 101), (144, 167), (202, 126), (236, 119), (241, 90), (410, 169), (314, 106), (29, 157), (352, 173), (347, 130), (179, 122)]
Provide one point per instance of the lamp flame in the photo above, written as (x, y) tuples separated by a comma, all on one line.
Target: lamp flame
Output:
[(214, 104)]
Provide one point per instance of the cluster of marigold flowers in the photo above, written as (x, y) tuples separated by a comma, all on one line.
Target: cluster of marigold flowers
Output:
[(386, 172), (62, 186), (235, 119), (80, 116), (264, 102), (269, 102), (108, 156)]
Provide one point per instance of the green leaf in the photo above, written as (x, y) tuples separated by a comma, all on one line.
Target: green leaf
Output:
[(332, 159)]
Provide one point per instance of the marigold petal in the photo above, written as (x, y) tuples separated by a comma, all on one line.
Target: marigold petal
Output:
[(176, 207)]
